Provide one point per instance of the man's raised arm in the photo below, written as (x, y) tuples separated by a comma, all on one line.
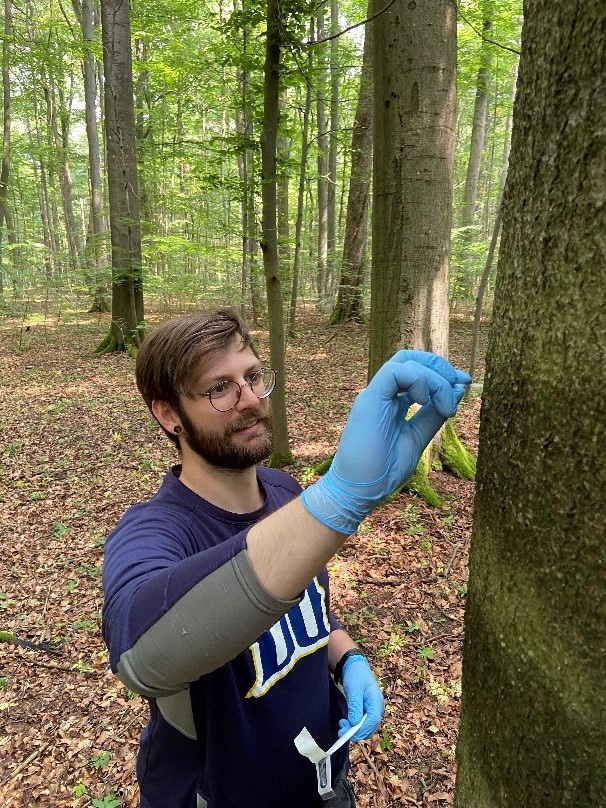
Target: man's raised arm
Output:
[(378, 450)]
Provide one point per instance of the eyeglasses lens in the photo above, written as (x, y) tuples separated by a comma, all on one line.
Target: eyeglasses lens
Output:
[(225, 396)]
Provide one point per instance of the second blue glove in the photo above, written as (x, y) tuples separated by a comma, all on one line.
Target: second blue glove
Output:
[(363, 696)]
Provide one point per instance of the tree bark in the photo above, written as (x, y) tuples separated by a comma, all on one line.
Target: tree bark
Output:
[(333, 144), (5, 215), (96, 248), (281, 454), (478, 129), (122, 180), (322, 144), (292, 314), (350, 304), (283, 147), (415, 93), (533, 726)]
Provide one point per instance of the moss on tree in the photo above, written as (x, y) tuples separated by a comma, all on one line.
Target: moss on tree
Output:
[(278, 460), (119, 339), (418, 482), (323, 466), (449, 454), (454, 456), (112, 344)]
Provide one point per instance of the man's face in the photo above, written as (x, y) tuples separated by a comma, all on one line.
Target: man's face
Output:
[(239, 438)]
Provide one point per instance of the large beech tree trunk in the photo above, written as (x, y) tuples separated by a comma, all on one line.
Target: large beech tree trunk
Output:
[(415, 94), (533, 721)]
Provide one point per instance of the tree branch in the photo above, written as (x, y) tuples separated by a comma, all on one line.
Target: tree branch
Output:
[(355, 25), (481, 35)]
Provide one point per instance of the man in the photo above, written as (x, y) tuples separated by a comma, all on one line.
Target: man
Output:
[(217, 602)]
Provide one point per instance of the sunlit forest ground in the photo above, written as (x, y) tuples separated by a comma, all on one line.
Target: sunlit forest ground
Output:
[(78, 447)]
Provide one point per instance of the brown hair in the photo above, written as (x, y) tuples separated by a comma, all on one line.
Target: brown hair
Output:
[(173, 352)]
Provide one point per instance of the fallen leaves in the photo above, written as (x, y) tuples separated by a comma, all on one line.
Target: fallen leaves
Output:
[(78, 447)]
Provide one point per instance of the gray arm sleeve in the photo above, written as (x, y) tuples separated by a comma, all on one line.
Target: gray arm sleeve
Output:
[(210, 625)]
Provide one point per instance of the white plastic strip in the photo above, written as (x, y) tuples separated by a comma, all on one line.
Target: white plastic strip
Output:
[(307, 747)]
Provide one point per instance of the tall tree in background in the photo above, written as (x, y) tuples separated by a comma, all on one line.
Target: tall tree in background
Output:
[(333, 144), (350, 295), (415, 95), (123, 186), (296, 267), (58, 115), (95, 253), (533, 728), (5, 214), (283, 147), (246, 168), (50, 234), (323, 179), (478, 127), (281, 454)]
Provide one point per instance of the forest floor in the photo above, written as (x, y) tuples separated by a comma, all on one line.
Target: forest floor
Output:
[(78, 447)]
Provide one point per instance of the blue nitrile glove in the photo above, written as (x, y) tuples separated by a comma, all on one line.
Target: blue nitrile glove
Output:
[(379, 449), (363, 696)]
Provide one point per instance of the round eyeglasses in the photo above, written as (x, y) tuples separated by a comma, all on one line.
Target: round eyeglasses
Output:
[(225, 395)]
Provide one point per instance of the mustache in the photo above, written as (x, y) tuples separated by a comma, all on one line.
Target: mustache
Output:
[(251, 417)]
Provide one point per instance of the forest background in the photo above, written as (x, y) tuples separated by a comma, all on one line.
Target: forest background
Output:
[(197, 95)]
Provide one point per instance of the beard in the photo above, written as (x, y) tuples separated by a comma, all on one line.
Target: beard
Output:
[(220, 450)]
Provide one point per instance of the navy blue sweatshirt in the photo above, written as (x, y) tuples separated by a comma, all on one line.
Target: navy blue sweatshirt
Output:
[(231, 673)]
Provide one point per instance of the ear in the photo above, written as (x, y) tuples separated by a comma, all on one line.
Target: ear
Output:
[(165, 415)]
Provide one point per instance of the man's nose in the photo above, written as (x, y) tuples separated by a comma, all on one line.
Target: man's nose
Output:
[(248, 398)]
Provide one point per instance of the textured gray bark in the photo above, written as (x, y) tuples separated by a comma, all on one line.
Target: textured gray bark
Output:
[(269, 245), (292, 312), (478, 130), (5, 214), (322, 278), (349, 305), (122, 180), (415, 93), (533, 720), (96, 252)]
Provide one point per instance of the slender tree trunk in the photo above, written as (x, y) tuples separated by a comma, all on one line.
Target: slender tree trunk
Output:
[(349, 305), (5, 216), (496, 229), (322, 145), (95, 252), (477, 314), (478, 130), (333, 143), (301, 192), (281, 454), (59, 131), (283, 150), (144, 135), (246, 167), (127, 283), (51, 256)]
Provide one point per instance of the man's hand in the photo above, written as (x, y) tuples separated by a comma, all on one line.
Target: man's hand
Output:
[(379, 448), (363, 696)]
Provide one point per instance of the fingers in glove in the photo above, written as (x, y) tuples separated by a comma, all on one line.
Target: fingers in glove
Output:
[(419, 383), (436, 363)]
